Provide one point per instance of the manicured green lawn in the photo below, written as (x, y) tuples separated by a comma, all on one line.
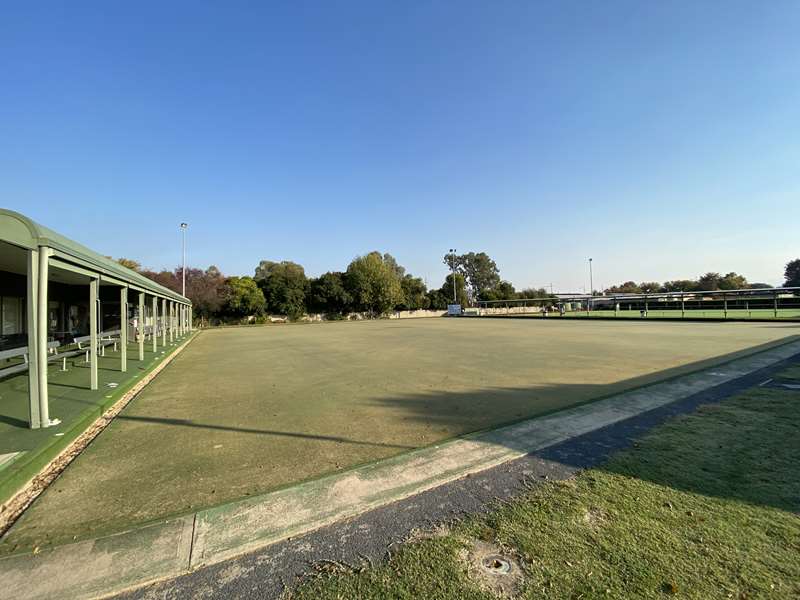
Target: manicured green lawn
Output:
[(244, 411), (705, 506)]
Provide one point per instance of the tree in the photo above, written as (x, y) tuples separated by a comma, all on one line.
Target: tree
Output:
[(166, 278), (130, 264), (437, 300), (502, 291), (284, 285), (461, 290), (792, 273), (650, 287), (680, 285), (709, 282), (391, 261), (480, 271), (206, 291), (373, 284), (733, 281), (534, 293), (327, 295), (243, 297), (414, 293), (629, 287)]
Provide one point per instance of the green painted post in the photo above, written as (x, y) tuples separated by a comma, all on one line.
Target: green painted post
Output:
[(140, 322), (93, 285), (123, 328), (41, 335), (32, 302)]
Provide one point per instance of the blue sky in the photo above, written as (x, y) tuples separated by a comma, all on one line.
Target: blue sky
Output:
[(661, 139)]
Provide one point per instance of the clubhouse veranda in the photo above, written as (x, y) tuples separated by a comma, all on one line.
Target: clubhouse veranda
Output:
[(59, 299)]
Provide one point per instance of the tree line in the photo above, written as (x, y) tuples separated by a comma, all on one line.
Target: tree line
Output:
[(375, 284)]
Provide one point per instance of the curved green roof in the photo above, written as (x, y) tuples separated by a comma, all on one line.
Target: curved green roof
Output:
[(20, 230)]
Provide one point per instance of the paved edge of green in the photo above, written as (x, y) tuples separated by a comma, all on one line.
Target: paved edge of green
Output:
[(24, 469), (113, 564)]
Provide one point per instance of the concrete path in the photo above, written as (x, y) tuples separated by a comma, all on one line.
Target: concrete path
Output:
[(109, 565)]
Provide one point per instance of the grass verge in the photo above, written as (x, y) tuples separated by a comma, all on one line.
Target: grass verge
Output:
[(705, 506)]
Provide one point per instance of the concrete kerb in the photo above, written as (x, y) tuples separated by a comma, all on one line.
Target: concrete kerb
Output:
[(115, 563)]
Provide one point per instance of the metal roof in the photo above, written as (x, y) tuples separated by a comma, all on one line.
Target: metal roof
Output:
[(17, 229)]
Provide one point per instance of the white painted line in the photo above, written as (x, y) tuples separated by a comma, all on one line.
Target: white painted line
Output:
[(763, 383), (7, 459)]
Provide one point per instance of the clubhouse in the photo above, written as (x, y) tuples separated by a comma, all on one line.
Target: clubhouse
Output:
[(62, 304)]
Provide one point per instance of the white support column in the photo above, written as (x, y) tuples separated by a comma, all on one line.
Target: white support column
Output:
[(171, 322), (164, 322), (34, 418), (41, 337), (155, 324), (183, 320), (93, 288), (141, 326), (191, 319), (123, 328)]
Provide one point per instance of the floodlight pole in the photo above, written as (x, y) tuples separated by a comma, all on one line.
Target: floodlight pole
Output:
[(453, 270), (591, 284), (183, 252)]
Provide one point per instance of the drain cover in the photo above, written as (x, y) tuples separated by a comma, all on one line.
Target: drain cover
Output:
[(493, 568), (496, 564)]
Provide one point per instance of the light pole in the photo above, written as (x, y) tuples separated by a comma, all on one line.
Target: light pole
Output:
[(183, 249), (591, 284), (453, 270)]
